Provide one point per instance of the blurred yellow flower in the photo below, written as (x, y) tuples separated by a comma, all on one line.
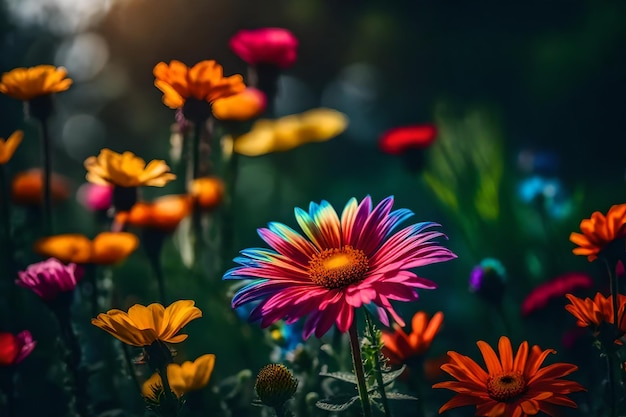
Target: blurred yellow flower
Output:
[(142, 325), (188, 376), (126, 170), (28, 83), (291, 131), (105, 249), (204, 81), (8, 147)]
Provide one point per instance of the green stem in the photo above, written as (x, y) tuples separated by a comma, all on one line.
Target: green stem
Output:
[(46, 159), (357, 363), (228, 209), (610, 350), (378, 373), (131, 367), (7, 385), (73, 362), (505, 322)]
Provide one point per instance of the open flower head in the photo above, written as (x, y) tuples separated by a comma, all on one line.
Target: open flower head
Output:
[(593, 313), (512, 386), (599, 231), (142, 325), (204, 81), (270, 46), (14, 348), (106, 248), (343, 263), (50, 278), (188, 376), (126, 170), (8, 147), (28, 83), (400, 348)]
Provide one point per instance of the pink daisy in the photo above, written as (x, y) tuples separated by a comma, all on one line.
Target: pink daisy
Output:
[(345, 263)]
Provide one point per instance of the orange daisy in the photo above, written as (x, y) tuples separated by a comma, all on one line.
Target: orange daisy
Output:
[(207, 192), (511, 386), (28, 83), (592, 313), (599, 231), (400, 347), (204, 81)]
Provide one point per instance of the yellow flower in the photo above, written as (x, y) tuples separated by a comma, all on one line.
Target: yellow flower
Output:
[(28, 83), (188, 376), (126, 170), (8, 147), (142, 325), (204, 81), (291, 131)]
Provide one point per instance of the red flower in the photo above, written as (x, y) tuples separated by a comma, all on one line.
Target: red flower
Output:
[(275, 46), (13, 349), (398, 140), (555, 288)]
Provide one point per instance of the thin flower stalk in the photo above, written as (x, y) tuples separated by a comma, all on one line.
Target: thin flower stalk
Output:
[(611, 359), (357, 363), (46, 159)]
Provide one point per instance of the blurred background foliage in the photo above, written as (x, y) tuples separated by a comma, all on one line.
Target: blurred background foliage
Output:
[(520, 91)]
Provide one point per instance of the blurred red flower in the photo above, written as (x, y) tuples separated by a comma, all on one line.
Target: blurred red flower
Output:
[(274, 46), (555, 288)]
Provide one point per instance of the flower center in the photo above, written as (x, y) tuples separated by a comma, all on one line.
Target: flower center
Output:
[(338, 268), (505, 386)]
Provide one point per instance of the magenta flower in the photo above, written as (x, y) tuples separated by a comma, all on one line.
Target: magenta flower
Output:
[(95, 197), (49, 278), (274, 46), (342, 264), (14, 348)]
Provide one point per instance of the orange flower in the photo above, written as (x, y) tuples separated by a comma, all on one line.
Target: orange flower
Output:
[(511, 387), (27, 187), (400, 347), (105, 249), (8, 147), (204, 81), (164, 213), (592, 313), (240, 107), (599, 231), (27, 83), (208, 192)]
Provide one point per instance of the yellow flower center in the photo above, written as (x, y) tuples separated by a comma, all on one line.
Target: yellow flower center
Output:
[(338, 268), (505, 386)]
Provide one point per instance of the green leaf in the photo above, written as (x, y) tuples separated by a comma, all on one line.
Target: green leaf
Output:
[(389, 377), (341, 376), (399, 396), (336, 404)]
